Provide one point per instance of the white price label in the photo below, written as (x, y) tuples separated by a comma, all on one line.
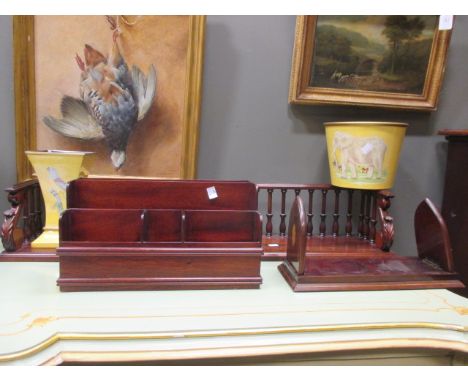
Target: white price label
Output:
[(212, 194), (367, 148), (445, 22)]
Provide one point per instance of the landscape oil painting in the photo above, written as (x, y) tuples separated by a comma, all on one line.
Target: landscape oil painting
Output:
[(389, 61), (374, 53), (126, 88)]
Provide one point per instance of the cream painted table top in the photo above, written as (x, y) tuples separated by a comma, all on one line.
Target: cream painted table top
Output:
[(39, 324)]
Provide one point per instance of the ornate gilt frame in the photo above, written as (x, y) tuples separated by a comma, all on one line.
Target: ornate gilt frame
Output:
[(300, 92), (25, 94)]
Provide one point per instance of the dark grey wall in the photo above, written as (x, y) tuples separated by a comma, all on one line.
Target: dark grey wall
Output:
[(7, 121), (248, 130)]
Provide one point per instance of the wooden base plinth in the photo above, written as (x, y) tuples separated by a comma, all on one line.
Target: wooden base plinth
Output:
[(82, 285), (28, 254), (340, 279), (117, 268)]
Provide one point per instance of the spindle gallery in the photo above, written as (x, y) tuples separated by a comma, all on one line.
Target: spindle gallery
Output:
[(358, 225)]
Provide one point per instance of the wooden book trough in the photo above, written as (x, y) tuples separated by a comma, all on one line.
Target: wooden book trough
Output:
[(122, 234), (348, 263)]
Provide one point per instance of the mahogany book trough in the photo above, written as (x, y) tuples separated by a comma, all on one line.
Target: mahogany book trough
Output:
[(122, 234), (344, 264)]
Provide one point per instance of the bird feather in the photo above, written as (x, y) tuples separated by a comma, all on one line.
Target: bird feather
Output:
[(144, 89), (118, 158), (76, 121)]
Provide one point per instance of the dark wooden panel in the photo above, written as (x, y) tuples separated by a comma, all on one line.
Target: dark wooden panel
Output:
[(221, 226), (432, 237), (100, 225), (454, 205), (163, 225), (161, 194), (161, 265)]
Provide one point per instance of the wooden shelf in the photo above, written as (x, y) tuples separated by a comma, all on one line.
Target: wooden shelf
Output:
[(26, 253)]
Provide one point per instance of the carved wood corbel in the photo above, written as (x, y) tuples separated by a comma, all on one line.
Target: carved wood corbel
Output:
[(12, 234), (386, 234), (23, 220)]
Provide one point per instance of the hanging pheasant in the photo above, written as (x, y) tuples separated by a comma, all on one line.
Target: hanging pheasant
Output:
[(112, 101)]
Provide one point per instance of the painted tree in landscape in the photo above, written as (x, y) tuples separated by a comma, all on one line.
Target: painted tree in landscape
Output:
[(398, 30)]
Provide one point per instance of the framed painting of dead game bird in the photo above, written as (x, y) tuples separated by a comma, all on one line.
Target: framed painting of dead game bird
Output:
[(391, 61), (124, 87)]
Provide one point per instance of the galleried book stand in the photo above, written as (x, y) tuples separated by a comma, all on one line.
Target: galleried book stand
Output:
[(134, 234), (346, 263)]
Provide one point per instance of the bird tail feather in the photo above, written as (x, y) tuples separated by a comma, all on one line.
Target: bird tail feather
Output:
[(145, 89), (118, 158)]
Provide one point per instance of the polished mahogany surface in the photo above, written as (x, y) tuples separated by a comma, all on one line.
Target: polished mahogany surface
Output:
[(387, 265), (154, 226), (331, 212), (432, 237), (350, 263), (161, 194), (353, 226), (142, 248)]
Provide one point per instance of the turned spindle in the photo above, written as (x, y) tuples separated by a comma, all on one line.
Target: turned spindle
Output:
[(282, 227), (373, 220), (28, 227), (310, 226), (269, 215), (336, 215), (349, 214), (367, 216), (323, 214)]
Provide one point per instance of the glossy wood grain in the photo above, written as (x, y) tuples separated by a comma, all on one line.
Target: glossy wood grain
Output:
[(274, 247), (28, 254), (358, 264), (157, 241), (432, 237), (145, 226), (160, 194)]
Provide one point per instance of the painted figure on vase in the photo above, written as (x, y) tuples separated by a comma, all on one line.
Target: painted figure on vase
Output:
[(358, 157)]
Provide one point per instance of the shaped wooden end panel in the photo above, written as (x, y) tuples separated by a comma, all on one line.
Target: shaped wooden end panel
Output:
[(297, 236), (432, 238)]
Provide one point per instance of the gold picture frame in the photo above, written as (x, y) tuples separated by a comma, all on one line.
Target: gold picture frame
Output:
[(303, 91), (24, 37)]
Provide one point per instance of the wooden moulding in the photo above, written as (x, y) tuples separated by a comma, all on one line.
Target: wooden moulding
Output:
[(163, 244), (344, 265)]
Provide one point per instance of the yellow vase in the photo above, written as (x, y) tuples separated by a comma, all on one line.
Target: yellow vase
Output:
[(364, 155), (54, 169)]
